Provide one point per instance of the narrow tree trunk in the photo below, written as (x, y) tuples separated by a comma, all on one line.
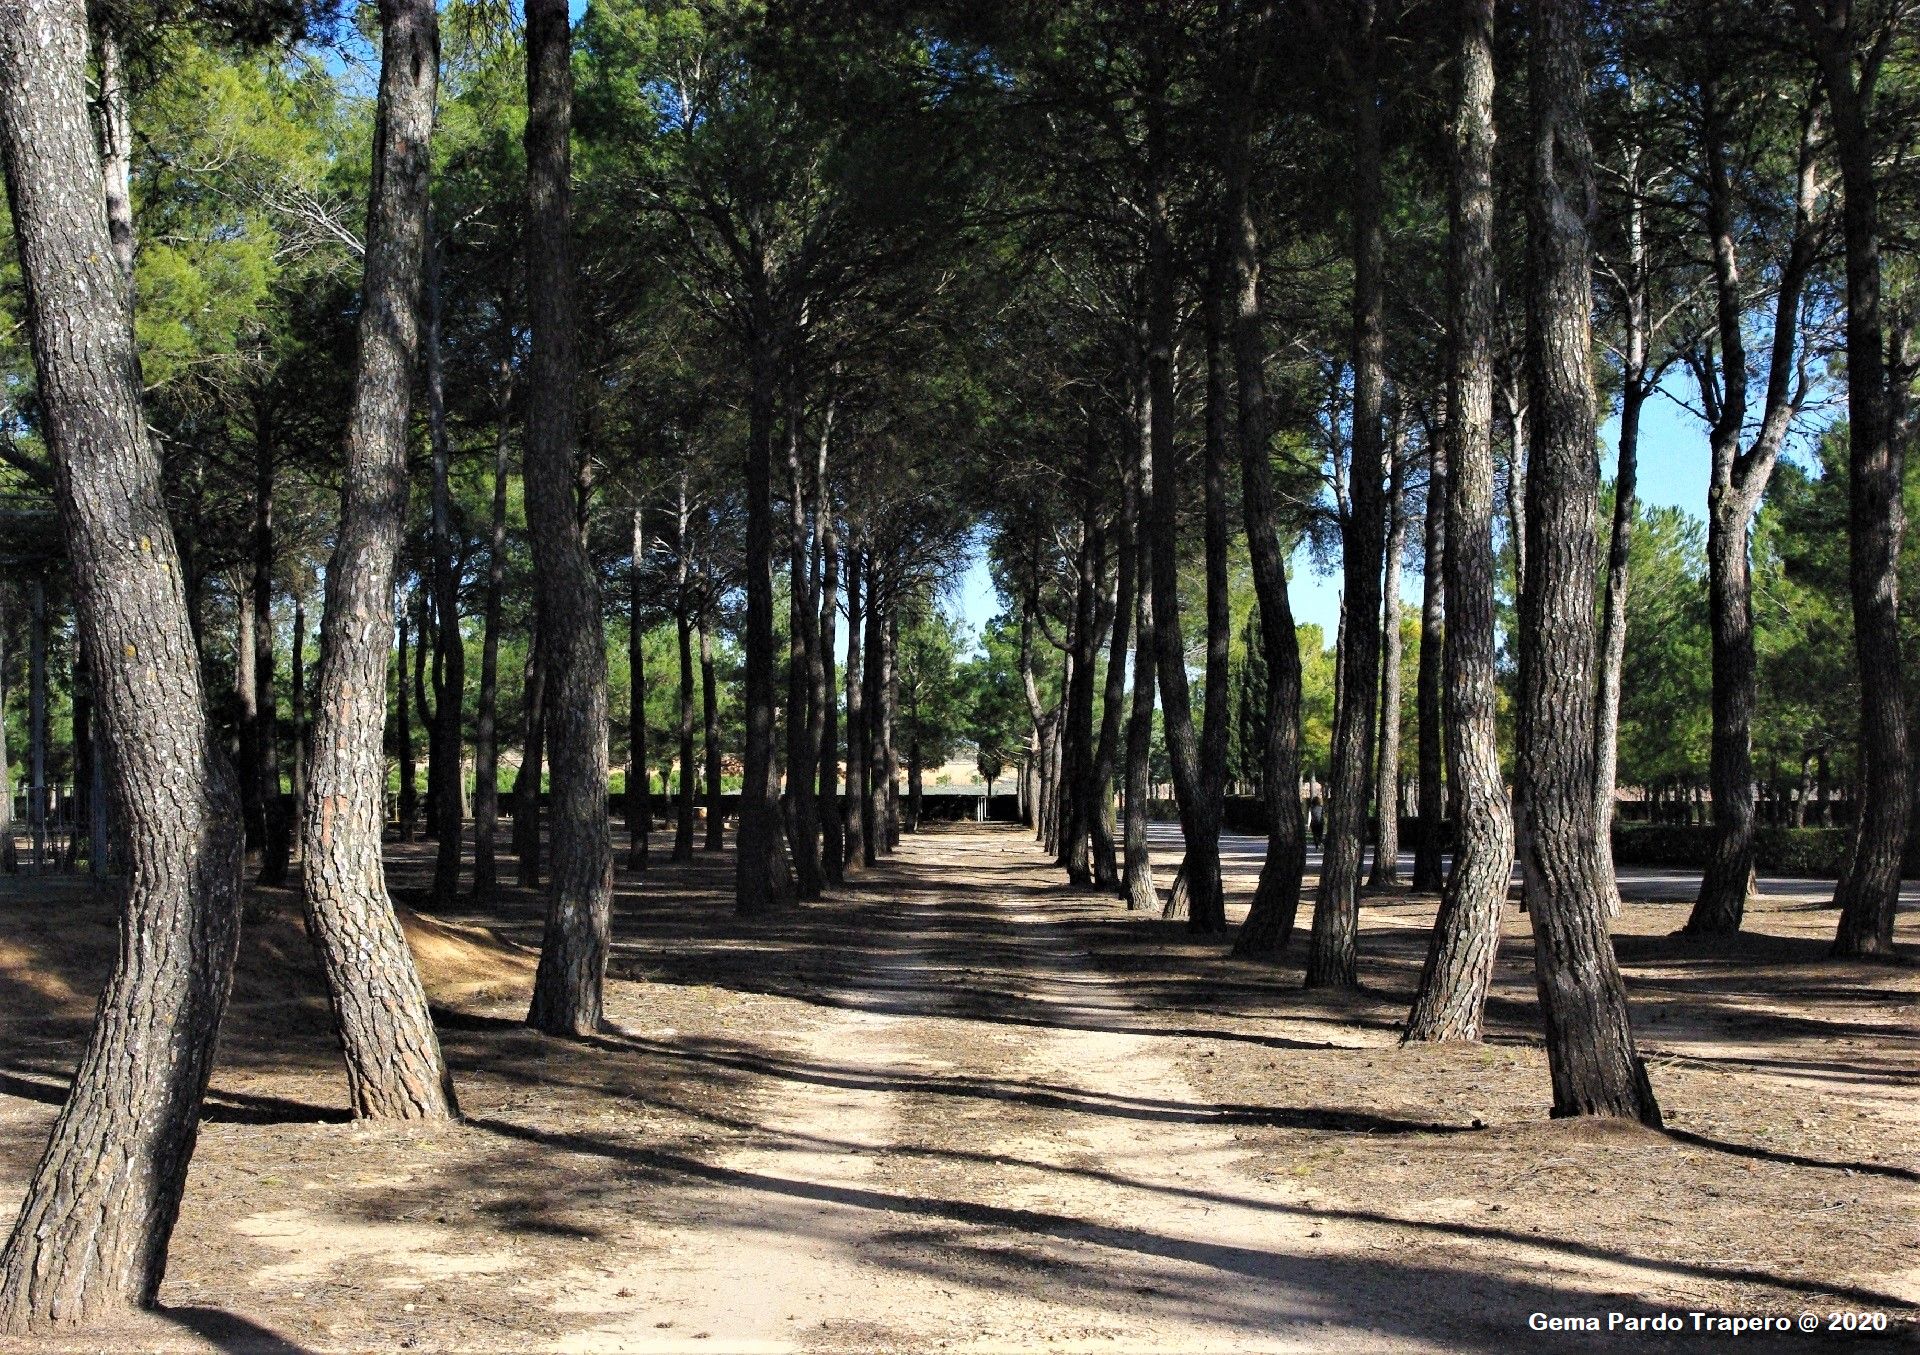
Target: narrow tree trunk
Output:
[(1427, 852), (422, 711), (246, 696), (710, 738), (889, 722), (683, 633), (874, 816), (1451, 1000), (639, 796), (403, 726), (1077, 734), (1333, 961), (91, 1235), (1137, 884), (1386, 783), (526, 781), (297, 724), (1219, 619), (853, 809), (274, 850), (825, 698), (446, 775), (803, 624), (567, 988), (394, 1065), (1107, 755), (9, 858), (486, 744), (1590, 1048), (37, 722)]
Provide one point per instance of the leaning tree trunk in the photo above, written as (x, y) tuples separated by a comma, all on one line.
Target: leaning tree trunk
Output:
[(1333, 961), (394, 1064), (1427, 851), (1590, 1049), (446, 777), (853, 807), (1451, 1000), (91, 1236), (486, 738), (567, 987), (1386, 781)]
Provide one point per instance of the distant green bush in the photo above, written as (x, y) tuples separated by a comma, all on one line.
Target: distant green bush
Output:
[(1814, 852)]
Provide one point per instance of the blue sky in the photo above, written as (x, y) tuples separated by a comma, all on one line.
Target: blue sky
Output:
[(1673, 473)]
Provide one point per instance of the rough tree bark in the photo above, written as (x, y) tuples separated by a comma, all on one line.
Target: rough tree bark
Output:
[(833, 847), (1333, 960), (803, 622), (533, 751), (1386, 779), (1590, 1049), (1451, 999), (1137, 882), (1216, 719), (567, 987), (1106, 757), (1076, 754), (91, 1236), (394, 1064)]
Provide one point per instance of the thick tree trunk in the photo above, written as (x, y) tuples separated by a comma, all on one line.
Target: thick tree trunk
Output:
[(1386, 781), (1427, 850), (274, 851), (91, 1236), (710, 738), (486, 739), (1333, 961), (394, 1064), (567, 988), (1590, 1048), (853, 808), (445, 775), (1450, 1002), (639, 790)]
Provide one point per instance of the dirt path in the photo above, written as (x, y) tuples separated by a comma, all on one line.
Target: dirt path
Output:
[(957, 1107)]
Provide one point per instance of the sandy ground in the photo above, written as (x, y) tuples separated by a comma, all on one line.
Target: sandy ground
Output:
[(958, 1107)]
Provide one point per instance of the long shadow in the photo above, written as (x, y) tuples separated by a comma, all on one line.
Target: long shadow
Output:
[(1245, 1261), (230, 1331), (220, 1107), (1791, 1159)]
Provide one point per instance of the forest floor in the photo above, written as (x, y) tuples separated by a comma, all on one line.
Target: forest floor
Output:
[(958, 1107)]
